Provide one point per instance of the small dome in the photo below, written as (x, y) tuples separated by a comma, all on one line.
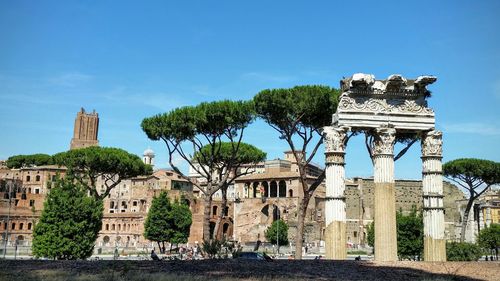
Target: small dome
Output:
[(149, 152)]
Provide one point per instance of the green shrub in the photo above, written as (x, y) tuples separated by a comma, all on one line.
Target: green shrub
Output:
[(463, 251)]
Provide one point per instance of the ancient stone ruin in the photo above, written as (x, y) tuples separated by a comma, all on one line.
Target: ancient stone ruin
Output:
[(387, 111)]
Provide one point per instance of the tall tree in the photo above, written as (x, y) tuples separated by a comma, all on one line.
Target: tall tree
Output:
[(87, 165), (69, 224), (475, 176), (19, 161), (208, 129), (159, 226), (298, 114), (247, 154), (489, 238)]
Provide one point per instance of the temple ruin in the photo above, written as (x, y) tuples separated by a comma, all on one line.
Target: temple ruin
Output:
[(387, 111)]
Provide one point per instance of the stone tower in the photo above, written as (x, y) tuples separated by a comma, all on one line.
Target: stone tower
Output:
[(85, 131), (148, 157)]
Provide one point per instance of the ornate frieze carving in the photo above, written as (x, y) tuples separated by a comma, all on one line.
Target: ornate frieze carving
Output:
[(432, 143), (335, 138), (385, 138), (397, 105)]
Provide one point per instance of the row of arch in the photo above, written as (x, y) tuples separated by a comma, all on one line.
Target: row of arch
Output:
[(18, 226), (267, 189), (114, 227)]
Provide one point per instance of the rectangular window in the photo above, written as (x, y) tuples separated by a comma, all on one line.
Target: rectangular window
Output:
[(32, 203), (37, 191), (28, 178)]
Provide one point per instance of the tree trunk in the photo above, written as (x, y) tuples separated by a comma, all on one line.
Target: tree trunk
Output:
[(206, 217), (465, 219), (300, 225), (159, 247), (222, 212)]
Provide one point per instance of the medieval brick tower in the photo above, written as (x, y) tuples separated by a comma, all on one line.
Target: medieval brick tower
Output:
[(85, 131)]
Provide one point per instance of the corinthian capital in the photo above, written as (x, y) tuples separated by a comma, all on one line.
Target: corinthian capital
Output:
[(335, 138), (384, 140), (432, 143)]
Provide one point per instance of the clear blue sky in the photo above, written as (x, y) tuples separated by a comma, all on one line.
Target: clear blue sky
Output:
[(133, 59)]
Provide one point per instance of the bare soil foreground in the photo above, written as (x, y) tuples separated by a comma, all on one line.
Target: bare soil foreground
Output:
[(245, 270)]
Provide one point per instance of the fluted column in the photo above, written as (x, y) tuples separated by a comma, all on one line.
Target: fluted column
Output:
[(335, 213), (385, 201), (432, 184)]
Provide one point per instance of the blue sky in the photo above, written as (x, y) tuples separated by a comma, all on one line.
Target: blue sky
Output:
[(133, 59)]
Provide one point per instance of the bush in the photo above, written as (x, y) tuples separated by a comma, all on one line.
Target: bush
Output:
[(69, 224), (463, 251)]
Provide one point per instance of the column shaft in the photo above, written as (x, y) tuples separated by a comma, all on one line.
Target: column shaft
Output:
[(432, 184), (335, 212), (385, 201)]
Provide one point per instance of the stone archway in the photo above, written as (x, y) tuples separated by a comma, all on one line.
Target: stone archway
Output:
[(385, 110)]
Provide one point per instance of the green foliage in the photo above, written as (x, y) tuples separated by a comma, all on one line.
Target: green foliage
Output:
[(300, 106), (167, 222), (214, 130), (86, 165), (410, 230), (278, 230), (210, 118), (475, 176), (158, 226), (215, 248), (463, 251), (410, 234), (19, 161), (370, 234), (227, 152), (489, 237), (69, 224), (472, 172), (182, 220)]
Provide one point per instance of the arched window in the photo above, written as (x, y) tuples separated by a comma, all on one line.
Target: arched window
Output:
[(225, 228), (282, 189), (290, 193), (214, 211), (255, 185), (107, 226), (113, 227), (21, 225), (37, 178), (23, 196), (274, 189), (29, 226), (265, 185)]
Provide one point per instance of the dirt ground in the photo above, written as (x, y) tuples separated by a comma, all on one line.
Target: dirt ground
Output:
[(246, 270)]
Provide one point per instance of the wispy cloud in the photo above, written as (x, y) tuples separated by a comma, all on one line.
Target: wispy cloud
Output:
[(267, 77), (485, 129), (70, 79), (162, 101)]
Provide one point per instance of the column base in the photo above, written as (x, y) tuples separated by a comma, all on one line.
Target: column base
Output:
[(385, 223), (434, 249), (335, 241)]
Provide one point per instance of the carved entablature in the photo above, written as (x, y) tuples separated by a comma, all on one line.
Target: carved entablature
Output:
[(367, 103), (432, 144), (385, 137), (334, 139)]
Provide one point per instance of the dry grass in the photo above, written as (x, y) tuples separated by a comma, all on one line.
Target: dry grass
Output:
[(280, 270)]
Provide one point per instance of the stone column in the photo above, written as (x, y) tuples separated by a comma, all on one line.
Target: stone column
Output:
[(432, 184), (385, 201), (335, 213), (488, 215)]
